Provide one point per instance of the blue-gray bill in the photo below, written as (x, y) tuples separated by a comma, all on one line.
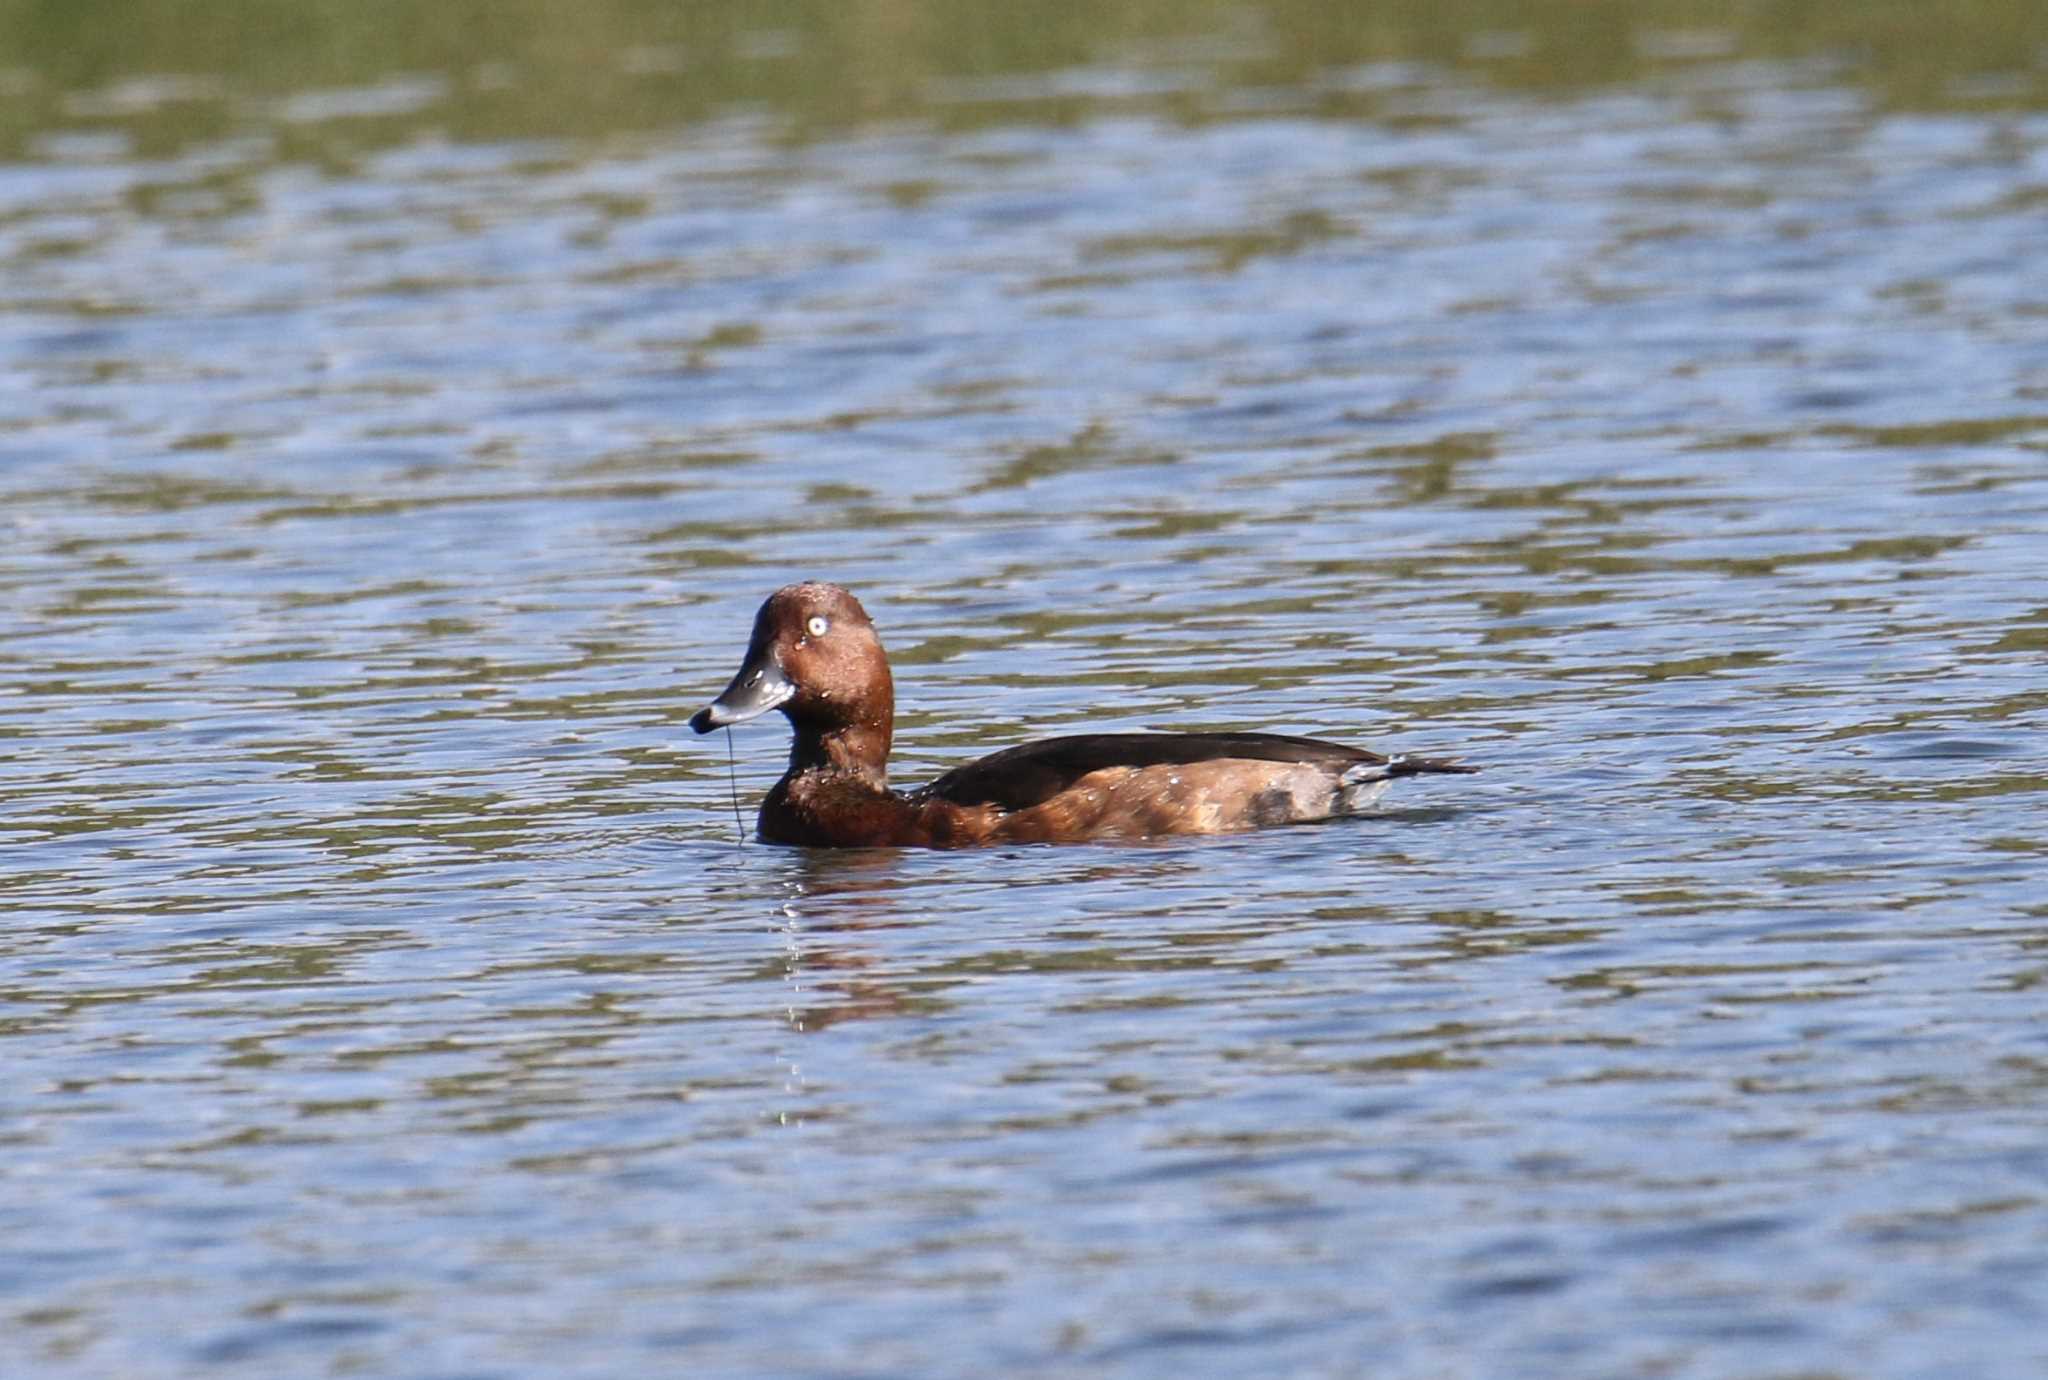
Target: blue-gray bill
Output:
[(759, 687)]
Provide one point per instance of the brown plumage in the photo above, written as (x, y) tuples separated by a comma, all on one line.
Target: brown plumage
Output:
[(815, 656)]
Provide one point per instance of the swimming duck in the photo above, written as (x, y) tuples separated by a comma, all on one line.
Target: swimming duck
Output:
[(815, 655)]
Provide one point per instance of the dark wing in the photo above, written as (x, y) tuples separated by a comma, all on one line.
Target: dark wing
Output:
[(1018, 778)]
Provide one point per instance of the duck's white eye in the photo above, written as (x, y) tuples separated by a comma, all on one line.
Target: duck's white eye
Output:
[(817, 626)]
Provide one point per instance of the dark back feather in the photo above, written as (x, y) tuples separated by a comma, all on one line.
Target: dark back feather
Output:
[(1018, 778)]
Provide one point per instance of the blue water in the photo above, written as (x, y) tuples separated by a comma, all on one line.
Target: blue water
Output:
[(386, 990)]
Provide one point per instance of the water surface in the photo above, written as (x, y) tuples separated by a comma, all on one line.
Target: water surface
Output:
[(385, 476)]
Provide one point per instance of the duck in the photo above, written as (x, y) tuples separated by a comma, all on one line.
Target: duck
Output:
[(815, 655)]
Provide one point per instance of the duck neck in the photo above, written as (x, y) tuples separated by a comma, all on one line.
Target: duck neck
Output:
[(860, 750)]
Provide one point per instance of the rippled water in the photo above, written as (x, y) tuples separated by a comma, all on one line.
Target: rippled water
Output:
[(385, 989)]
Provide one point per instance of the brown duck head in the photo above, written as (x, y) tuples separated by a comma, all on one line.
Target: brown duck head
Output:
[(815, 655)]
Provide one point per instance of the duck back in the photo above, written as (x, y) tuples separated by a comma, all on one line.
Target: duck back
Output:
[(1032, 773)]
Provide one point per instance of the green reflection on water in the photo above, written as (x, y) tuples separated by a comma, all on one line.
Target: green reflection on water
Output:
[(327, 79)]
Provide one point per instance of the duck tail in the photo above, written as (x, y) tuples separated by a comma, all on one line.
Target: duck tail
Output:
[(1404, 765), (1366, 782)]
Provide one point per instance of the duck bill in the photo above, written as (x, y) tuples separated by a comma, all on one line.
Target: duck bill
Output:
[(759, 687)]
